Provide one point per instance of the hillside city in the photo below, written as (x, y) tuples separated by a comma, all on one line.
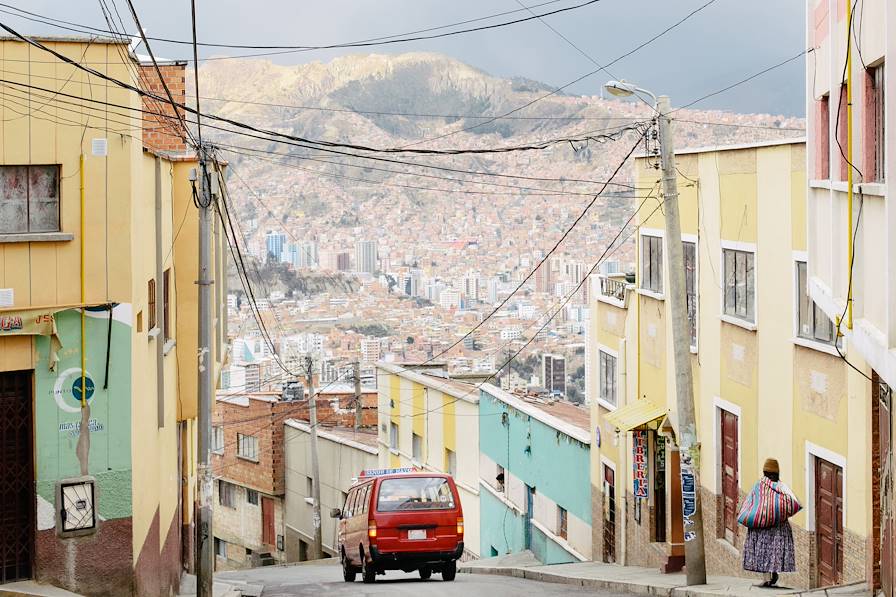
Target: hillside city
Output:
[(432, 298)]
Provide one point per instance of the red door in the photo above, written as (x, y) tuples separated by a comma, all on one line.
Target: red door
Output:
[(268, 536), (829, 521), (887, 524), (729, 473), (609, 515)]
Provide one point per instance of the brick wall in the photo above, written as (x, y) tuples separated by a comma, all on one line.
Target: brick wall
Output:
[(163, 133)]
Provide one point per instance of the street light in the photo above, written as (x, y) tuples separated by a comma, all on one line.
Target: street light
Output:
[(689, 446), (626, 89)]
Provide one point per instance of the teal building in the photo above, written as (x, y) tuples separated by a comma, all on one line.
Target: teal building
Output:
[(535, 490)]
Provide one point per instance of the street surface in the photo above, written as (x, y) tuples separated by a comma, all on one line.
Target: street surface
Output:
[(326, 579)]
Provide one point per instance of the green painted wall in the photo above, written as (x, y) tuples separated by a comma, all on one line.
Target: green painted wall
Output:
[(57, 409)]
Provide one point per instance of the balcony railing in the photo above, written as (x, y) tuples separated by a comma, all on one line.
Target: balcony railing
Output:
[(613, 287)]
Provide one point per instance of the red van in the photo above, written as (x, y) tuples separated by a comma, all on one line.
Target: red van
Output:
[(400, 519)]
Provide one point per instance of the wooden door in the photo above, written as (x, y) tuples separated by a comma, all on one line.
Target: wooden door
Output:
[(609, 515), (268, 536), (829, 521), (729, 473), (887, 524), (17, 517)]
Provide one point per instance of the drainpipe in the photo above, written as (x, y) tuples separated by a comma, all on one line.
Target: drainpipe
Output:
[(623, 345), (849, 229), (82, 449)]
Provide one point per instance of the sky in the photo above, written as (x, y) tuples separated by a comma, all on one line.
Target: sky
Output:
[(722, 44)]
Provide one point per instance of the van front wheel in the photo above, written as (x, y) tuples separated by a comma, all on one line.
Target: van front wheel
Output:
[(449, 571), (425, 573)]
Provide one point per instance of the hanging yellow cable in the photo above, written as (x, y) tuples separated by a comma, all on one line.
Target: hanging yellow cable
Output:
[(83, 293), (849, 168)]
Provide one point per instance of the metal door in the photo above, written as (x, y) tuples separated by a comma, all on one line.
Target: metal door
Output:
[(530, 505), (829, 521), (609, 515), (729, 473), (268, 536), (17, 518), (659, 488)]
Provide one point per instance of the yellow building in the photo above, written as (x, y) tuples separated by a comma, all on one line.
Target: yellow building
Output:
[(429, 421), (98, 239), (768, 381)]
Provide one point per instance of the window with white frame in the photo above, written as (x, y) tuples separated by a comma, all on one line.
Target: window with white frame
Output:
[(740, 284), (247, 446), (218, 439), (652, 263), (812, 322), (393, 436), (417, 447), (450, 462), (690, 284), (607, 377)]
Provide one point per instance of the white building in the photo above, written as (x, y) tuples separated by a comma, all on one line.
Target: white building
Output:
[(371, 350), (449, 299), (365, 256)]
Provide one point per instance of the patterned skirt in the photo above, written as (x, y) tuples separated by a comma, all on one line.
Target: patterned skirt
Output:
[(770, 549)]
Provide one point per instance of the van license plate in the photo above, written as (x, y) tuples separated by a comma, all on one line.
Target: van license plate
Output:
[(416, 534)]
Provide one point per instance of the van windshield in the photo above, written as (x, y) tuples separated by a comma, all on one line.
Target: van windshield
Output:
[(415, 493)]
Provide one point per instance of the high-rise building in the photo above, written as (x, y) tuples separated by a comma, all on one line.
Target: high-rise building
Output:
[(554, 374), (370, 350), (543, 278), (275, 242), (449, 299), (343, 262), (470, 286), (365, 256), (493, 291)]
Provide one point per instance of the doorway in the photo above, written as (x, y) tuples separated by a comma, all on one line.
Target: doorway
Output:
[(659, 488), (268, 536), (829, 521), (609, 515), (530, 506), (16, 477), (730, 483), (884, 558)]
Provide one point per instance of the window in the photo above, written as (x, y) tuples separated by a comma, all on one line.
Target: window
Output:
[(247, 447), (365, 501), (652, 263), (690, 285), (151, 301), (218, 439), (309, 486), (499, 478), (875, 130), (607, 377), (220, 548), (347, 511), (29, 199), (450, 462), (226, 493), (393, 436), (740, 287), (415, 493), (417, 448), (166, 311), (252, 496), (823, 138), (562, 519), (812, 322)]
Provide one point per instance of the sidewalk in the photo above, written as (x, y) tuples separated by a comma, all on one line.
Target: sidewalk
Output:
[(635, 580)]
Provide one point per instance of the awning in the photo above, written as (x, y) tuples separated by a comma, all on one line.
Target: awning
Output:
[(635, 414)]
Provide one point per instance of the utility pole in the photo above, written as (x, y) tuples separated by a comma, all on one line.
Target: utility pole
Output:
[(695, 558), (359, 406), (317, 545), (204, 555)]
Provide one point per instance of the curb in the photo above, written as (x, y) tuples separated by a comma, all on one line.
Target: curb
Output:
[(634, 588)]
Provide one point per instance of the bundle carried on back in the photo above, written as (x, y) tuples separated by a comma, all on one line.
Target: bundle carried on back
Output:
[(769, 504)]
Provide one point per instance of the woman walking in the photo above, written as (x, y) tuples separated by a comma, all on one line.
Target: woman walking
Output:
[(769, 545)]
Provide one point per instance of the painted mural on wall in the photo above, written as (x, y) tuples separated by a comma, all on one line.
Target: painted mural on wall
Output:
[(58, 409)]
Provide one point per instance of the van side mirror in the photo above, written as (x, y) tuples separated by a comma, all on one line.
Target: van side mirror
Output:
[(335, 513)]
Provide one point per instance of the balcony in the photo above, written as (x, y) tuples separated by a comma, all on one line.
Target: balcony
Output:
[(613, 288)]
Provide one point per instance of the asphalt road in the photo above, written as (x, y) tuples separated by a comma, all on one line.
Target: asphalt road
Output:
[(318, 580)]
